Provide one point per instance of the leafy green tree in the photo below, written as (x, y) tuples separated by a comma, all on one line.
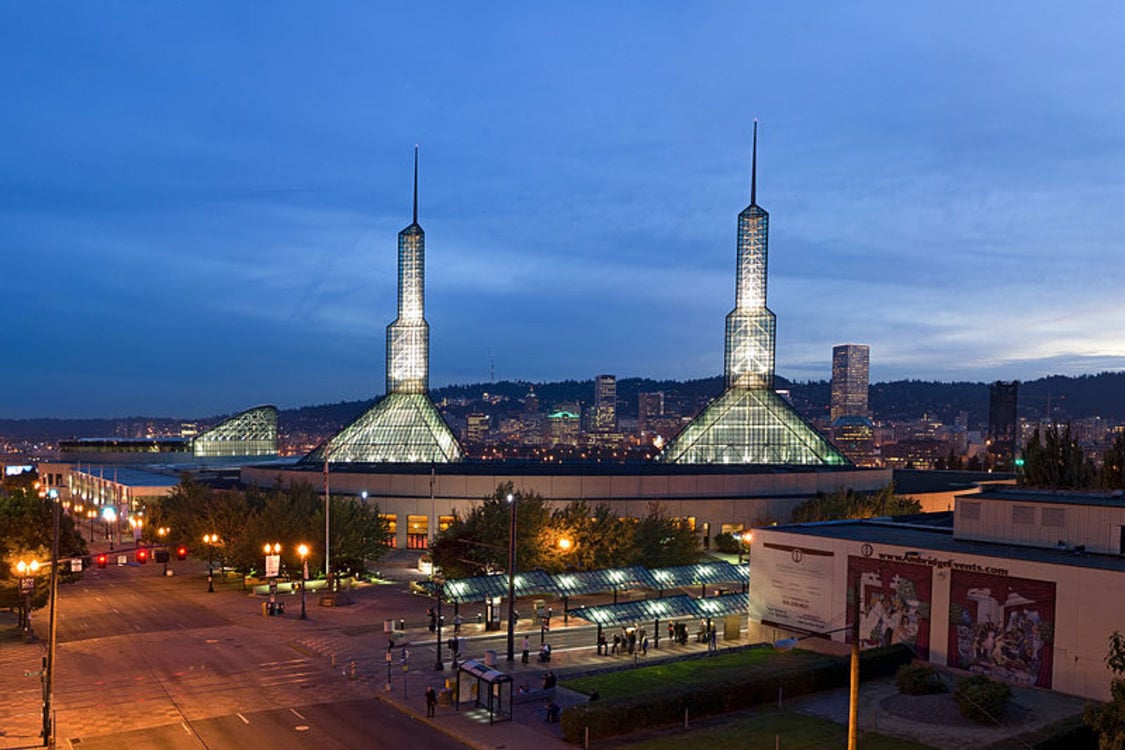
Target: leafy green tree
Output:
[(661, 540), (26, 533), (1054, 460), (841, 504), (598, 538), (1108, 719), (1112, 474), (358, 534)]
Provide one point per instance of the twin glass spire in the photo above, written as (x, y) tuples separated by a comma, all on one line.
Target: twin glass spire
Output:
[(408, 337)]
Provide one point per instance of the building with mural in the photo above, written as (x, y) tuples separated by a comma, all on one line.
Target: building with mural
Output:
[(1013, 584)]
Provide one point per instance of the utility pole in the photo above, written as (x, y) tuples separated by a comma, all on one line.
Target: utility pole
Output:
[(52, 629)]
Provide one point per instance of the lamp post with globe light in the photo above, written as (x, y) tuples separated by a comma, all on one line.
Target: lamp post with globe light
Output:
[(210, 540), (303, 551), (27, 569)]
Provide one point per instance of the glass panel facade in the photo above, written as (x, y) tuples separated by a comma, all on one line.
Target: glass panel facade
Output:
[(417, 532), (401, 428), (751, 427), (251, 433), (392, 528), (408, 338)]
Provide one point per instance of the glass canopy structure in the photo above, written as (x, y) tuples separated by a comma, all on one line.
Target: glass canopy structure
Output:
[(400, 428), (250, 433), (749, 423)]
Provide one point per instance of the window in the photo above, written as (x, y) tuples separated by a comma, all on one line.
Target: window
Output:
[(1054, 517), (392, 528), (1023, 514), (417, 532), (969, 511)]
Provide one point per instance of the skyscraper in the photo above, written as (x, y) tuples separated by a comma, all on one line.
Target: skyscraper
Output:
[(750, 423), (605, 403), (1003, 423), (404, 426), (850, 368)]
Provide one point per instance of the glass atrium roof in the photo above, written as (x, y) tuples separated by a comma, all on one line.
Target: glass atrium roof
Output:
[(400, 428), (250, 433), (530, 583), (751, 426), (681, 605)]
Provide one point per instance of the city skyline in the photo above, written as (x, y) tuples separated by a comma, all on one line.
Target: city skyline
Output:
[(200, 204)]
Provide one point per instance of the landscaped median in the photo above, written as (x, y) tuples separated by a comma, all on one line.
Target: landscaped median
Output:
[(659, 695)]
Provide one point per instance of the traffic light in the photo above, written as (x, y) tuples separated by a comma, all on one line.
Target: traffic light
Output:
[(102, 560), (142, 556), (181, 552)]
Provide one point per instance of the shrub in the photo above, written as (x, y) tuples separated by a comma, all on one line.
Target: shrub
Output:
[(919, 679), (666, 704), (982, 699)]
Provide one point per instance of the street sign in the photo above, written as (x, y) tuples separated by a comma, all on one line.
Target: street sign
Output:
[(27, 585), (273, 565), (273, 587), (76, 565)]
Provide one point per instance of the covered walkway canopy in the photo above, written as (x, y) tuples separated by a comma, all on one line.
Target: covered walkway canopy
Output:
[(537, 582), (666, 608)]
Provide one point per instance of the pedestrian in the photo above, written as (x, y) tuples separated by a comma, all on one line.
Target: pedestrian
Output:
[(431, 700), (671, 632), (712, 642), (457, 623), (644, 646), (526, 647), (602, 645), (616, 644)]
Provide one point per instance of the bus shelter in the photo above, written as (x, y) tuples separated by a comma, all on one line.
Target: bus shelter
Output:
[(487, 688)]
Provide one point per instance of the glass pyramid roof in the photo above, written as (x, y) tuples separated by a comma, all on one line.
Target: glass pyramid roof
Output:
[(751, 426), (250, 433), (400, 428)]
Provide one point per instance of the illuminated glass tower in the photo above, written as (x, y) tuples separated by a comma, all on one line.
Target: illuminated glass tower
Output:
[(749, 423), (751, 326), (404, 426), (408, 337), (850, 368)]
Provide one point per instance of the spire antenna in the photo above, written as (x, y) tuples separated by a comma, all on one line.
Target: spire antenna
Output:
[(753, 168), (416, 177)]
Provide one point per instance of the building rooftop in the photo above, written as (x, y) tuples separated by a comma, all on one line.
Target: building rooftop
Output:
[(1111, 499), (934, 538), (909, 481)]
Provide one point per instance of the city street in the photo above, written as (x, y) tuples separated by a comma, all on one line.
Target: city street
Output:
[(145, 660)]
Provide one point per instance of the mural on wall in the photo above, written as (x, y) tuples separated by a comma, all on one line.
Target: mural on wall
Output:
[(895, 600), (1002, 627)]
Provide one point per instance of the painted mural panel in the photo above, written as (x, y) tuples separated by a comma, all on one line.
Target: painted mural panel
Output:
[(791, 586), (895, 603), (1002, 626)]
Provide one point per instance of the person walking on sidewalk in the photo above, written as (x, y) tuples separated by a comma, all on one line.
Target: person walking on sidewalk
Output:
[(431, 700), (526, 646)]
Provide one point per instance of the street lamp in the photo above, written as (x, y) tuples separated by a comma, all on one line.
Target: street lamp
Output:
[(27, 570), (210, 540), (91, 514), (511, 577), (439, 582), (303, 551), (162, 532)]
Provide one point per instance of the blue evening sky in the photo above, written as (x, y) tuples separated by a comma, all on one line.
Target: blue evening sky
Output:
[(199, 201)]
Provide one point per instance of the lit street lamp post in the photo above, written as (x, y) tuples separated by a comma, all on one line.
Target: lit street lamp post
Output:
[(303, 551), (210, 540), (27, 571), (440, 583), (162, 532), (511, 578)]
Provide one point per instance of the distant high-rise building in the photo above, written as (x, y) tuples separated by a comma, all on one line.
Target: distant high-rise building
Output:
[(650, 406), (477, 428), (605, 403), (563, 428), (1003, 423), (850, 367), (531, 402), (749, 423)]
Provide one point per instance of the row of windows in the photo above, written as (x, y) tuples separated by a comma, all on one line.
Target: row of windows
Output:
[(1022, 515)]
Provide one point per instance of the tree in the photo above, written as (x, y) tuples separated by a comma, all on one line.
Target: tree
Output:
[(26, 533), (1054, 460), (660, 540), (1112, 474), (1108, 719), (841, 504)]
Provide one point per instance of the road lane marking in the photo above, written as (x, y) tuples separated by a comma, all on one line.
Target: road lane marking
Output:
[(187, 729), (244, 719), (115, 610), (298, 714)]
